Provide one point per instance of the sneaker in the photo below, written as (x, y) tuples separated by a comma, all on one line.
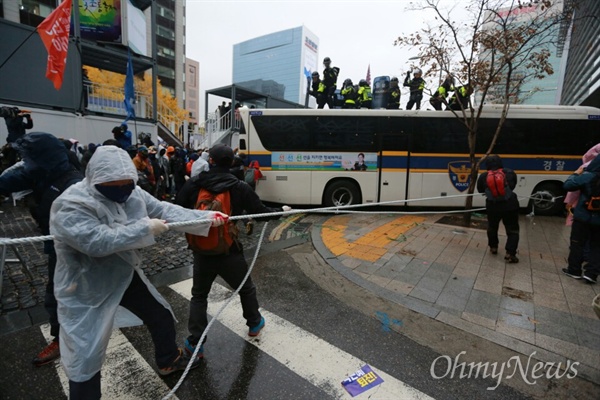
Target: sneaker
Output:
[(190, 349), (572, 274), (511, 258), (494, 250), (590, 278), (179, 364), (49, 354), (256, 330)]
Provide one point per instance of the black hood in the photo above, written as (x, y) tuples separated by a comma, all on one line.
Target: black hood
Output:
[(493, 162), (42, 151), (217, 180)]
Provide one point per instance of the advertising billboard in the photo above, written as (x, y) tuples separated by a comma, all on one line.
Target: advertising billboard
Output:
[(101, 20)]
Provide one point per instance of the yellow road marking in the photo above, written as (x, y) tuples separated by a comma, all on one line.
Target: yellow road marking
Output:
[(369, 247)]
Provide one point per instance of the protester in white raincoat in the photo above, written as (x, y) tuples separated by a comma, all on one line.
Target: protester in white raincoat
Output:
[(98, 226)]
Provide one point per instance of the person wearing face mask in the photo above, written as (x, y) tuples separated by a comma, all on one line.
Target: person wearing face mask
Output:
[(99, 225), (45, 169)]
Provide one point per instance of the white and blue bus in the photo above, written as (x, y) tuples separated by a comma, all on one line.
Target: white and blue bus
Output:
[(339, 157)]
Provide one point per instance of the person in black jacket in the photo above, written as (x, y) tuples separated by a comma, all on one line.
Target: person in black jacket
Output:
[(232, 267), (46, 170), (505, 210)]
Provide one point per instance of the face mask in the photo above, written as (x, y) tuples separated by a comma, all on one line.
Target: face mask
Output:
[(120, 193)]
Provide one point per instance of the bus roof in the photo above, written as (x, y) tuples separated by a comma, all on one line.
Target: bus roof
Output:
[(489, 111)]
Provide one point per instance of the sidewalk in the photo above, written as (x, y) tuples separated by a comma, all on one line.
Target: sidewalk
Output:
[(447, 273)]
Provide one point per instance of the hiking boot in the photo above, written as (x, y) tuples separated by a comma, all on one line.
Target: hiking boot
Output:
[(49, 354), (590, 278), (249, 228), (571, 273), (494, 250), (256, 330), (190, 349), (511, 258), (179, 364)]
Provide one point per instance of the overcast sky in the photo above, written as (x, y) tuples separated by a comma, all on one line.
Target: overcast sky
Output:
[(353, 34)]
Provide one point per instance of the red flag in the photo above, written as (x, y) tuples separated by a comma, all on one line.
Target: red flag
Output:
[(369, 75), (54, 32)]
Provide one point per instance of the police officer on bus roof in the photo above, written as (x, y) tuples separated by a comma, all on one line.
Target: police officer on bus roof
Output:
[(416, 85), (330, 75), (365, 98), (460, 98), (318, 90), (501, 204), (350, 93), (230, 265), (393, 95), (440, 95)]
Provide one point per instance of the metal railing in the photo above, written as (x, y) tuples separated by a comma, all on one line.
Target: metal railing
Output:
[(216, 128), (109, 99)]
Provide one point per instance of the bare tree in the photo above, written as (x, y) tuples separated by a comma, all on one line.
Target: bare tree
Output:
[(503, 45)]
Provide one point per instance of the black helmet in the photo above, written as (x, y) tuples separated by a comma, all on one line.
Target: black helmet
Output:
[(362, 82), (326, 60), (315, 73), (394, 79), (348, 82)]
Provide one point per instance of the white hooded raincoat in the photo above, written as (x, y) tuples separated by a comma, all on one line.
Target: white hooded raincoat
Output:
[(97, 242)]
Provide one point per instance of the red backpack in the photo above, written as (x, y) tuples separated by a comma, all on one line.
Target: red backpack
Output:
[(497, 187), (219, 239)]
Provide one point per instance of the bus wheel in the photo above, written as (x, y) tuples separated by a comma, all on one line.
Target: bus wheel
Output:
[(543, 196), (341, 193)]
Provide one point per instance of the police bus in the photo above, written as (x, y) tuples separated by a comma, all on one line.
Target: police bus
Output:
[(340, 157)]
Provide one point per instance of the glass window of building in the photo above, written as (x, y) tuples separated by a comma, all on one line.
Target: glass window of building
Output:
[(165, 12), (165, 32), (165, 52), (166, 72), (192, 75), (33, 12)]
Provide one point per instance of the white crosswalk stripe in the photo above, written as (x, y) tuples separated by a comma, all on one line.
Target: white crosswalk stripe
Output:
[(312, 358), (127, 375)]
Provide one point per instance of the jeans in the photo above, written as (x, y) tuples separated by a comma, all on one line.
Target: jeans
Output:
[(510, 219), (232, 268), (138, 299), (582, 236)]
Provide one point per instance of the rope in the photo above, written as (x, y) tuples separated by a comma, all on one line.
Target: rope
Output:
[(199, 345)]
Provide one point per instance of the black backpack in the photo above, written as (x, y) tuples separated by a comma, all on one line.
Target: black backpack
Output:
[(593, 203)]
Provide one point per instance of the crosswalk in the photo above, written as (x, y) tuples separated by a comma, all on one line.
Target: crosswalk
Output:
[(127, 375)]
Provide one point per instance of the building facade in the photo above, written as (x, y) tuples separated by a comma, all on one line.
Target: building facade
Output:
[(192, 89), (527, 89), (277, 64), (581, 84)]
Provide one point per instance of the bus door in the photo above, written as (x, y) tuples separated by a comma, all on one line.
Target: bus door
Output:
[(393, 166)]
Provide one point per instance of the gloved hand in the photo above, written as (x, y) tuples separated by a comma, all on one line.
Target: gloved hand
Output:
[(218, 219), (158, 226), (286, 208), (408, 74)]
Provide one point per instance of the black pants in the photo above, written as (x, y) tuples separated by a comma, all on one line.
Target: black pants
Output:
[(584, 236), (510, 219), (232, 268), (138, 299), (415, 98), (49, 300)]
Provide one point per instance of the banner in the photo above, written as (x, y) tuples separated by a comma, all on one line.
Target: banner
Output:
[(54, 32), (129, 91), (101, 21), (362, 380)]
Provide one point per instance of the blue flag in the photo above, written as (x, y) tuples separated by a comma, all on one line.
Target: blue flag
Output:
[(129, 91)]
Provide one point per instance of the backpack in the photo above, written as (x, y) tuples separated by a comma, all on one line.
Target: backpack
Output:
[(593, 203), (252, 173), (497, 187), (219, 239)]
